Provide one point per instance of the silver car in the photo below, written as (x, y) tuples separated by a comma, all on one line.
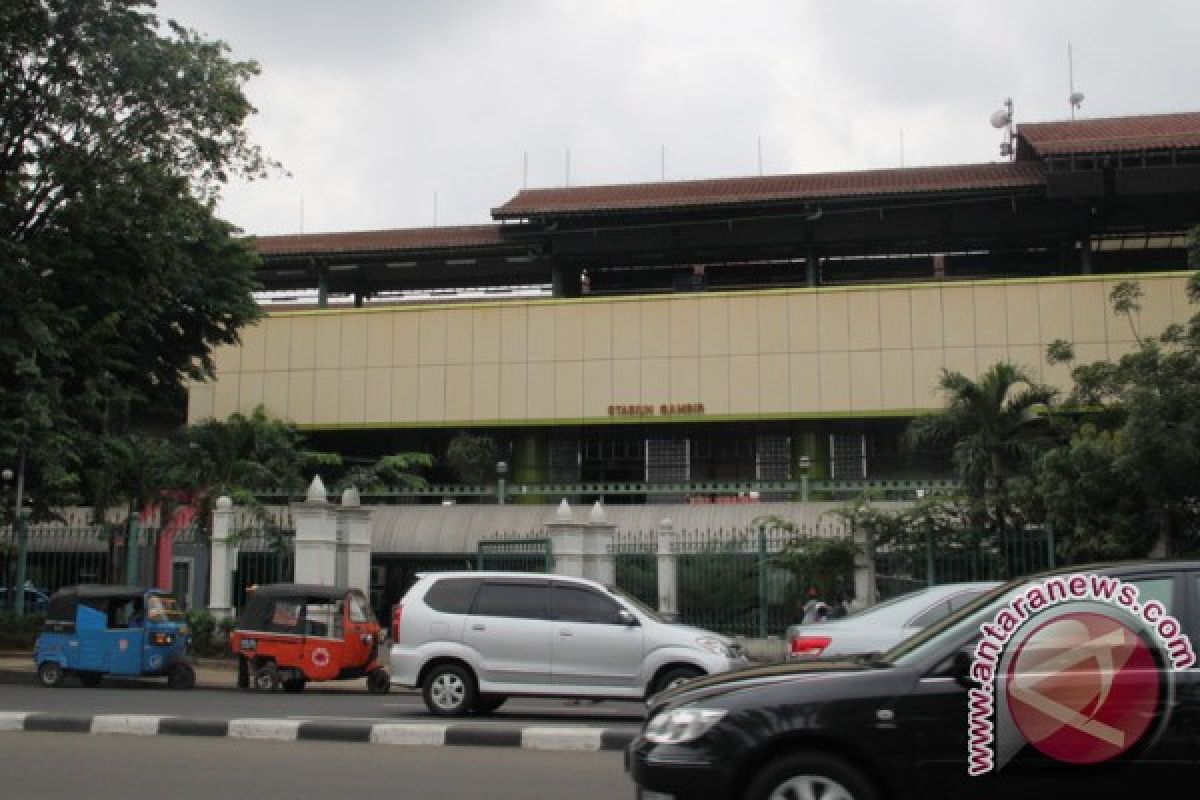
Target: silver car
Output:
[(879, 627), (470, 640)]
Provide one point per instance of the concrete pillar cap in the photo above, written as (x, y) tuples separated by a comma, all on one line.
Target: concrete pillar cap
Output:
[(350, 497), (316, 491), (224, 503), (598, 514), (563, 514)]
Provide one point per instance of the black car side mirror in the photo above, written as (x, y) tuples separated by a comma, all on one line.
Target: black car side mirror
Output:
[(960, 670), (627, 618)]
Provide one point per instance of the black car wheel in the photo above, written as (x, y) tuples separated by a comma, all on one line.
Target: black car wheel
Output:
[(675, 677), (487, 703), (449, 690), (181, 676), (90, 679), (266, 678), (50, 673), (379, 682), (810, 775)]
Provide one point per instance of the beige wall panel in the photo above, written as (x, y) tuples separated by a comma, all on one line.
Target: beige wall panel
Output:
[(459, 394), (432, 337), (227, 359), (656, 378), (926, 317), (200, 402), (514, 391), (896, 368), (1054, 311), (540, 333), (774, 384), (1021, 309), (354, 341), (991, 316), (866, 375), (1087, 312), (431, 392), (254, 348), (226, 395), (540, 388), (377, 397), (685, 328), (1181, 309), (277, 332), (568, 390), (962, 359), (301, 396), (1122, 348), (460, 336), (485, 392), (985, 357), (864, 320), (835, 382), (514, 335), (627, 330), (597, 388), (326, 391), (958, 316), (833, 315), (379, 339), (597, 330), (743, 384), (1090, 352), (895, 319), (773, 324), (352, 396), (302, 353), (627, 382), (656, 328), (405, 390), (568, 332), (714, 326), (803, 330), (406, 338), (250, 390), (804, 378), (926, 372), (1030, 358), (485, 336), (714, 384), (328, 342), (743, 325), (1156, 312), (685, 381)]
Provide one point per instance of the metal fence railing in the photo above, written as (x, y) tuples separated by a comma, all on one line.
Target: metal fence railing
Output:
[(903, 568)]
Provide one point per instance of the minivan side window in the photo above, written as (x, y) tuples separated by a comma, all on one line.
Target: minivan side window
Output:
[(452, 595), (524, 600), (578, 604)]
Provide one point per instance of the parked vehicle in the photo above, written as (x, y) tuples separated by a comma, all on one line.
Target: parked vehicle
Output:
[(36, 600), (290, 634), (469, 640), (881, 626), (92, 631), (1098, 703)]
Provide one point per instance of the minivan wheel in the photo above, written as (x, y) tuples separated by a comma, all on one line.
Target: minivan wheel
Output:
[(676, 677), (810, 775), (449, 690)]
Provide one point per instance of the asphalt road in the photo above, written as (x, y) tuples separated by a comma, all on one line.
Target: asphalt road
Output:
[(20, 692), (72, 766)]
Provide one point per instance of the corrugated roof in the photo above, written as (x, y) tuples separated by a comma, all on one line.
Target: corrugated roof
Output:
[(369, 241), (1113, 134), (730, 191)]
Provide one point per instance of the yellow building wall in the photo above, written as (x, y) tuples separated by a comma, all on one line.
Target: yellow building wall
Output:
[(794, 353)]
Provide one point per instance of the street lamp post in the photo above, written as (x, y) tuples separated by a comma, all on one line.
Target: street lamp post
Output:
[(804, 462), (501, 472), (18, 589)]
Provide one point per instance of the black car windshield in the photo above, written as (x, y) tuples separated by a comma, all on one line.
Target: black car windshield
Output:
[(972, 615)]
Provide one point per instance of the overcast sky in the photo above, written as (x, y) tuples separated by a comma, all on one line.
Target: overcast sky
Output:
[(377, 106)]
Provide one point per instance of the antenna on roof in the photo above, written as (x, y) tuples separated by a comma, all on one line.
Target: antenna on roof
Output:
[(760, 156), (435, 209), (662, 162), (525, 170), (1003, 118), (567, 167), (1075, 98), (902, 148)]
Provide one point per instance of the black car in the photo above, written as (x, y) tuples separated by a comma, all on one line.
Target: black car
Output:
[(1033, 689)]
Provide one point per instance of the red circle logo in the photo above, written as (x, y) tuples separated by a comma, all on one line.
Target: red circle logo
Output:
[(1083, 688), (320, 656)]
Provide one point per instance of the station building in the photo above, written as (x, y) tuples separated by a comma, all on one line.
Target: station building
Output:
[(737, 329)]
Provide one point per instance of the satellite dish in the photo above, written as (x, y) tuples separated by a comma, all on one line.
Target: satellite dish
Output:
[(1001, 118)]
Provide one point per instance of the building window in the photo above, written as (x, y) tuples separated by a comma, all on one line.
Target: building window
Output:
[(847, 456), (565, 462), (667, 460)]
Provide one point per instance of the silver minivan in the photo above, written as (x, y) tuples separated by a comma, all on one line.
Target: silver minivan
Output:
[(470, 640)]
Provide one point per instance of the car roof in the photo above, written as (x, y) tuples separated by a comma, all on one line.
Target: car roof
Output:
[(506, 575), (94, 590)]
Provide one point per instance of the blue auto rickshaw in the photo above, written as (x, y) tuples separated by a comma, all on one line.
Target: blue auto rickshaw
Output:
[(95, 630)]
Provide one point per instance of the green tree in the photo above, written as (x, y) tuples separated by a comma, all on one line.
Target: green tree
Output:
[(473, 458), (118, 277)]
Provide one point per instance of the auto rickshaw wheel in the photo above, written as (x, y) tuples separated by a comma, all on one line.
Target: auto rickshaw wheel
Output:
[(378, 681), (266, 678), (181, 676), (51, 673), (294, 684), (90, 679)]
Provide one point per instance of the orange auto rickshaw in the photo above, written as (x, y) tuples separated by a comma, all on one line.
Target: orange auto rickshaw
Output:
[(290, 634)]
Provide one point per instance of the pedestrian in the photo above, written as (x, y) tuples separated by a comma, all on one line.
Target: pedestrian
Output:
[(815, 610)]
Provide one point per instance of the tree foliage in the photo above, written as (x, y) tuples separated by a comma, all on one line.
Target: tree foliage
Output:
[(473, 458)]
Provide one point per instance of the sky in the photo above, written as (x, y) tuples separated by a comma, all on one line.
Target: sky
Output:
[(413, 113)]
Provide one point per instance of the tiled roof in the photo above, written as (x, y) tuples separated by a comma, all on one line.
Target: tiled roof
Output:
[(1113, 134), (730, 191), (370, 241)]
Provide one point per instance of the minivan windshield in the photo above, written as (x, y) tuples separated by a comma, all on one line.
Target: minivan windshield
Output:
[(970, 616)]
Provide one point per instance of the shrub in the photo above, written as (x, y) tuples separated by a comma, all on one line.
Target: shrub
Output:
[(19, 633)]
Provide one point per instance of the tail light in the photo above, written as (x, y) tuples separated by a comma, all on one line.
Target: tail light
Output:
[(396, 611), (809, 646)]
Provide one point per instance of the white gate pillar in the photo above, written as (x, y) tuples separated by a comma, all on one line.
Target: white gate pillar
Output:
[(355, 544), (583, 549), (316, 537), (223, 560), (668, 573)]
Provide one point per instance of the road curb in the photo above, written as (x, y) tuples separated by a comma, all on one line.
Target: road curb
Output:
[(539, 737)]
